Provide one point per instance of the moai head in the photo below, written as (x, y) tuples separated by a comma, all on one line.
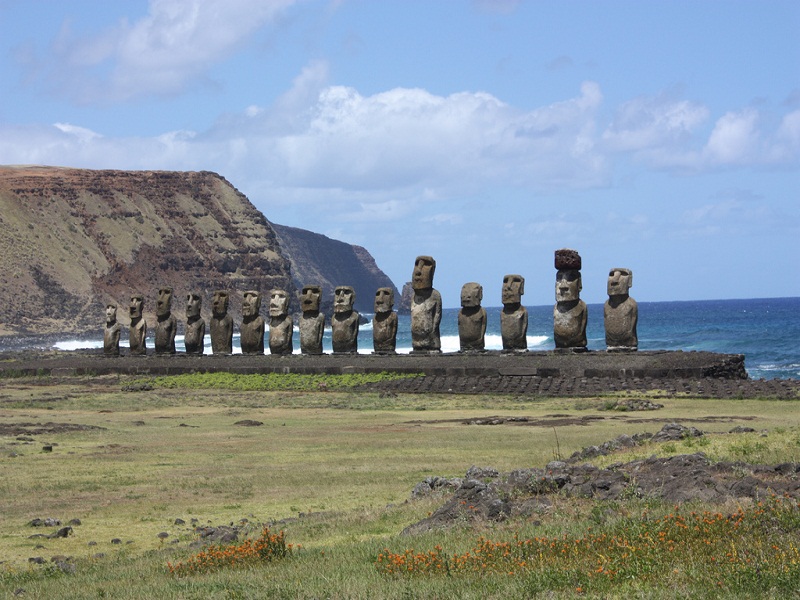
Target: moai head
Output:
[(111, 314), (344, 297), (194, 302), (251, 304), (619, 281), (310, 298), (513, 288), (568, 278), (219, 304), (424, 269), (164, 302), (384, 300), (278, 303), (136, 306), (471, 295)]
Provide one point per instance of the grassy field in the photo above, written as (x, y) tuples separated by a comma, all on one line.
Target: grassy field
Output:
[(337, 467)]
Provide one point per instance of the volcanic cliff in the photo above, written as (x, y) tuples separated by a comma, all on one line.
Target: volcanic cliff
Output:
[(72, 240)]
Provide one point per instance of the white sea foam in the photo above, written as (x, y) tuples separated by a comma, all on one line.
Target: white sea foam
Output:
[(78, 344)]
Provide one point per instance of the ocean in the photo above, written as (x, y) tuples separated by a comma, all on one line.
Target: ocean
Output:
[(766, 331)]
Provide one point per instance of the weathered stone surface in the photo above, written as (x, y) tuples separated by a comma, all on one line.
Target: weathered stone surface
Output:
[(312, 321), (567, 259), (514, 317), (195, 334), (426, 308), (137, 332), (252, 328), (281, 326), (166, 323), (620, 313), (384, 323), (472, 318), (221, 324), (570, 314), (111, 332), (344, 323)]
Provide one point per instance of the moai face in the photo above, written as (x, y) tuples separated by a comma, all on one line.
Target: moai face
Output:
[(219, 305), (310, 298), (619, 282), (384, 300), (568, 285), (513, 288), (164, 302), (278, 303), (194, 302), (251, 304), (424, 268), (136, 306), (111, 314), (471, 295), (343, 299)]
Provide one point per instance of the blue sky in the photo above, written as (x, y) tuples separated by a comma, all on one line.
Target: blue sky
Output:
[(659, 136)]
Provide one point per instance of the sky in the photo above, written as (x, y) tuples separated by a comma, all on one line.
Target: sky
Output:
[(660, 136)]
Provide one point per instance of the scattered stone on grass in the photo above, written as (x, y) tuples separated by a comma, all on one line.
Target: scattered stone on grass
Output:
[(248, 423)]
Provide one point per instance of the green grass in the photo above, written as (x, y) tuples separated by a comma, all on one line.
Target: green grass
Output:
[(347, 460)]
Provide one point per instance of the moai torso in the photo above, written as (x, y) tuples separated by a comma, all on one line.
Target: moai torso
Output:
[(312, 321), (280, 324), (569, 314), (194, 338), (514, 316), (111, 332), (426, 308), (221, 325), (384, 324), (344, 323), (252, 329), (620, 313), (471, 318), (138, 329), (166, 323)]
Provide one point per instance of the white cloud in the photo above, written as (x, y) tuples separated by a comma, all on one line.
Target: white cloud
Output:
[(735, 139)]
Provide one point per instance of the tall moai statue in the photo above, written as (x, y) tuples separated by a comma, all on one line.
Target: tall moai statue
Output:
[(344, 323), (221, 324), (514, 317), (252, 329), (570, 314), (166, 323), (281, 327), (426, 308), (384, 323), (312, 321), (620, 313), (195, 336), (138, 329), (111, 331), (472, 318)]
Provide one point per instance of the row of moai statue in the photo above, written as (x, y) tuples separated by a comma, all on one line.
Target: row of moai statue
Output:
[(569, 317)]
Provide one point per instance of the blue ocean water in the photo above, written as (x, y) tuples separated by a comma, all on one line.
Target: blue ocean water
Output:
[(766, 331)]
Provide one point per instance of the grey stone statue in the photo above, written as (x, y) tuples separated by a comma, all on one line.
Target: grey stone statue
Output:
[(138, 330), (252, 329), (472, 318), (166, 323), (281, 327), (344, 323), (514, 317), (569, 315), (620, 313), (111, 331), (195, 336), (221, 324), (384, 324), (426, 308), (312, 322)]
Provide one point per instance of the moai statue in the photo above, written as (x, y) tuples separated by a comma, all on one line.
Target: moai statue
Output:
[(471, 318), (166, 324), (252, 329), (384, 324), (570, 314), (111, 332), (280, 323), (195, 337), (221, 324), (344, 323), (621, 313), (312, 322), (514, 318), (138, 330), (426, 308)]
